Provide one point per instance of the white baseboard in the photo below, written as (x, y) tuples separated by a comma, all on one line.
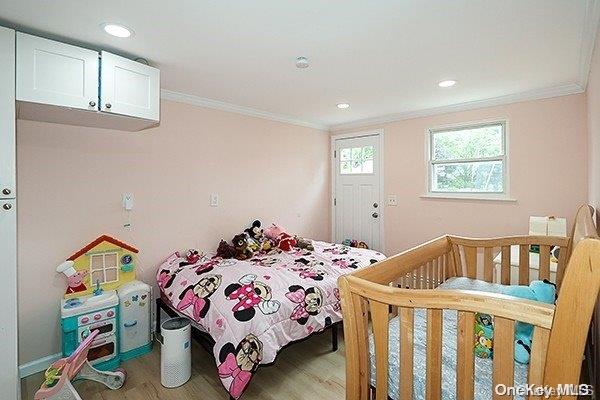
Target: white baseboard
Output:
[(39, 365)]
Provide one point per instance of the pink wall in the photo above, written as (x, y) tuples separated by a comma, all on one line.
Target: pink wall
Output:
[(71, 180), (548, 173)]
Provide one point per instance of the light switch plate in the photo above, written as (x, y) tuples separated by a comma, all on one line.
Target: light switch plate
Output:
[(392, 200), (214, 200)]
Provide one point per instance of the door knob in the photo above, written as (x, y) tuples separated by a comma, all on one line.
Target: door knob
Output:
[(92, 103), (375, 215), (7, 206), (6, 191), (108, 106)]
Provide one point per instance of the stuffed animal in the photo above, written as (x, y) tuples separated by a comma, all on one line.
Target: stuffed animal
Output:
[(543, 291), (273, 232), (225, 250), (286, 242), (242, 249), (362, 245), (303, 243), (484, 334), (255, 231)]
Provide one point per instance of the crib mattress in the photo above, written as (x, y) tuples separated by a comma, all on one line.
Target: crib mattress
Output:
[(483, 367)]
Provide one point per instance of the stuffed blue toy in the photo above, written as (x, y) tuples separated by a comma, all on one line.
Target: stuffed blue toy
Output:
[(543, 291)]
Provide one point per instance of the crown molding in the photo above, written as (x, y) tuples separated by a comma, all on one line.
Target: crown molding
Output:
[(591, 23), (223, 106), (545, 93)]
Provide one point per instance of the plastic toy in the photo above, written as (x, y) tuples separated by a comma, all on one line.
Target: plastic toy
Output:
[(484, 335), (61, 373), (105, 262)]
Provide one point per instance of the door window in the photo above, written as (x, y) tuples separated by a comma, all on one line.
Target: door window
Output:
[(356, 160)]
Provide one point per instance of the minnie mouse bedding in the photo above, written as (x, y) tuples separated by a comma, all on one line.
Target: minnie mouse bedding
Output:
[(253, 308)]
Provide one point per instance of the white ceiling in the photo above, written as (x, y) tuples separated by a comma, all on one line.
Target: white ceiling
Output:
[(383, 57)]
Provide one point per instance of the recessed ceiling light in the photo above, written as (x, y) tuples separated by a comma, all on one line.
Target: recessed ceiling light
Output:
[(302, 62), (447, 83), (117, 30), (343, 105)]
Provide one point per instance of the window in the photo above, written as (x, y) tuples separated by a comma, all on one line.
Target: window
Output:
[(468, 159), (104, 268), (356, 160)]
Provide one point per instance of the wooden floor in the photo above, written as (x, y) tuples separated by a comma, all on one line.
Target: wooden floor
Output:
[(306, 370)]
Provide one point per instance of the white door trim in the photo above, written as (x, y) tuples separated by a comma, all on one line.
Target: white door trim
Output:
[(374, 132)]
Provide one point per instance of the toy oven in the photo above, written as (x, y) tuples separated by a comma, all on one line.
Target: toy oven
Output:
[(106, 328), (103, 349)]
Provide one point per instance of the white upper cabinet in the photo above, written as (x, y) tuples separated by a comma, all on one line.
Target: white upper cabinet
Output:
[(129, 88), (55, 73)]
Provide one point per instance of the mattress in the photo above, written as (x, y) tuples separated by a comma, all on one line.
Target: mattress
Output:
[(255, 307), (483, 367)]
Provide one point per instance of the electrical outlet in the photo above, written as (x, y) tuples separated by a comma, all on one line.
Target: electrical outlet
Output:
[(392, 200), (214, 200)]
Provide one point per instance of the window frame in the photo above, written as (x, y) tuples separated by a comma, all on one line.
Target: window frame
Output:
[(475, 195), (104, 268)]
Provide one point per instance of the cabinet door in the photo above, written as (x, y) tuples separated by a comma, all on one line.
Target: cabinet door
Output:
[(7, 113), (129, 88), (9, 377), (55, 73)]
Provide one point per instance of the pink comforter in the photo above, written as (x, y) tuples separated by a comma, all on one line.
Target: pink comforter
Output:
[(255, 307)]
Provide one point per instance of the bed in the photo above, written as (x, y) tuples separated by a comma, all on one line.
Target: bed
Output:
[(251, 309), (408, 338)]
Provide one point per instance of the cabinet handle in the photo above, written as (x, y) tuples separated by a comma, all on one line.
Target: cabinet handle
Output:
[(108, 106), (7, 206), (6, 191), (92, 103)]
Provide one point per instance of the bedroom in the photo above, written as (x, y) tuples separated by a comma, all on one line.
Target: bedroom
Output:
[(247, 131)]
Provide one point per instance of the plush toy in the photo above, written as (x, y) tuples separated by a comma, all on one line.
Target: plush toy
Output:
[(362, 245), (484, 334), (303, 243), (543, 291), (255, 231), (286, 242), (242, 249), (273, 232), (225, 250), (347, 242)]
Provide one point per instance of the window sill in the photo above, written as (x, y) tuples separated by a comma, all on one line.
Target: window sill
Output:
[(467, 196)]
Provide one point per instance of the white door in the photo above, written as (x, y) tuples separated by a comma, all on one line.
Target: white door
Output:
[(357, 204), (129, 88), (51, 72)]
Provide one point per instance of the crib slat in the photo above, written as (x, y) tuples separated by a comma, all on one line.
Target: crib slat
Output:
[(422, 277), (434, 355), (456, 264), (407, 322), (524, 264), (471, 261), (562, 264), (505, 273), (503, 353), (488, 264), (465, 356), (379, 316), (537, 360), (544, 272)]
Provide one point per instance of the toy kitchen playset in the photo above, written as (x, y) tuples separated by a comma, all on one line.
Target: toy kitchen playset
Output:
[(103, 295)]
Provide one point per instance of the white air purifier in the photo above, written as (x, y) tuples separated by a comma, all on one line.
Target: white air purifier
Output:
[(175, 352)]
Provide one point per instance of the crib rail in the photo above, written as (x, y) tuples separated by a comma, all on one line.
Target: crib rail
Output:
[(474, 258), (557, 347)]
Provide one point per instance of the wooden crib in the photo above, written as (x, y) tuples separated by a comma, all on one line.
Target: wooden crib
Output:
[(402, 283)]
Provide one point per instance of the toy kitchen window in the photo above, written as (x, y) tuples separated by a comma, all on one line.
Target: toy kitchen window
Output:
[(104, 268)]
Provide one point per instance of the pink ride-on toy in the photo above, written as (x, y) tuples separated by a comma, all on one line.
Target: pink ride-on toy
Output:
[(62, 372)]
